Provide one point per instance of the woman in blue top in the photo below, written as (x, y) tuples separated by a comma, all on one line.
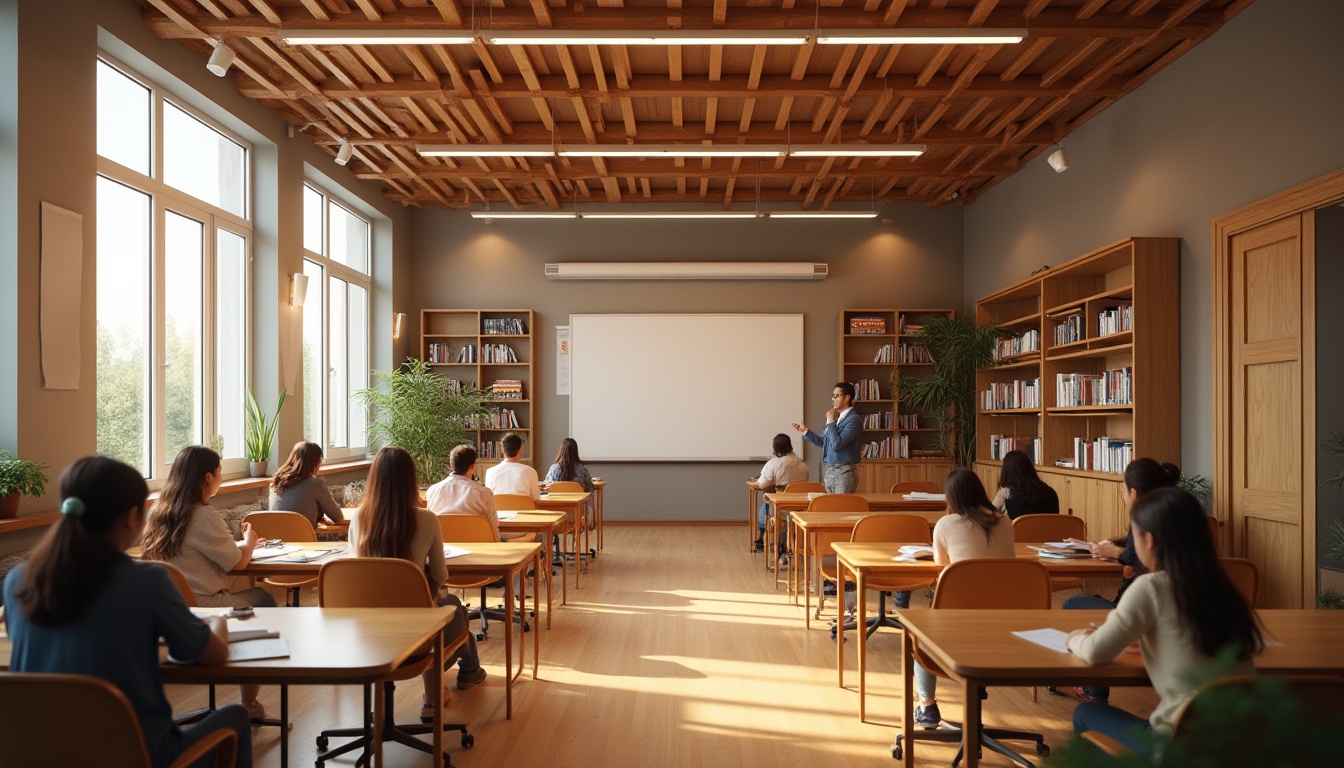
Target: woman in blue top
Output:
[(81, 606), (568, 467)]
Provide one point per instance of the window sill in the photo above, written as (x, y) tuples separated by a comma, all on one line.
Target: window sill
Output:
[(31, 521), (249, 483)]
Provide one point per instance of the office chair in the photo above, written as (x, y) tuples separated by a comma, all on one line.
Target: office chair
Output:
[(465, 529), (838, 503), (903, 529), (1049, 526), (383, 582)]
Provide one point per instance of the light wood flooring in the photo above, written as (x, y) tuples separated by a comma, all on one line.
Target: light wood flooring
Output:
[(676, 651)]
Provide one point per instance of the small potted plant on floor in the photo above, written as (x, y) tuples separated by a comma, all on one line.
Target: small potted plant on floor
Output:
[(259, 434), (19, 478)]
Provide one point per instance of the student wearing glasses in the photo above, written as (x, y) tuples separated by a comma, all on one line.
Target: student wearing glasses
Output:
[(841, 441)]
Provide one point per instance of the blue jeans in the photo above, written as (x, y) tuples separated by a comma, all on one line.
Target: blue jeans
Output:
[(762, 518), (1091, 603), (926, 685), (233, 717), (1130, 730)]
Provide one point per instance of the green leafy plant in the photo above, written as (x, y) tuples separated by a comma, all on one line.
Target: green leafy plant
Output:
[(959, 350), (1197, 486), (27, 478), (1330, 600), (258, 430), (423, 412), (1335, 445)]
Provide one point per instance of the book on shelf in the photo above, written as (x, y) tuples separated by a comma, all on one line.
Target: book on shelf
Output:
[(502, 418), (908, 421), (1005, 395), (927, 453), (1012, 346), (1102, 454), (862, 325), (467, 354), (875, 421), (506, 389), (913, 353), (1070, 329), (893, 447), (502, 326), (867, 389), (885, 354), (1117, 319), (497, 353), (1000, 445), (1114, 387), (908, 327), (457, 386), (438, 352)]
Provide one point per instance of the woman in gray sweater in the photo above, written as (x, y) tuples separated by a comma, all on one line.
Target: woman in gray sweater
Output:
[(296, 487)]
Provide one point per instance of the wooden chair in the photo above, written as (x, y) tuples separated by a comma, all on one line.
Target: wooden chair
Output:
[(915, 486), (1049, 526), (508, 501), (992, 583), (1319, 698), (286, 526), (464, 529), (1215, 531), (825, 554), (1245, 576), (383, 582), (36, 726), (903, 529), (772, 533)]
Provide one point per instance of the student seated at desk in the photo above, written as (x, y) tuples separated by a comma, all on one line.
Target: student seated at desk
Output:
[(1184, 613), (972, 529), (785, 467), (568, 467), (81, 606), (458, 494), (189, 534), (1021, 490), (297, 488), (511, 475), (390, 523)]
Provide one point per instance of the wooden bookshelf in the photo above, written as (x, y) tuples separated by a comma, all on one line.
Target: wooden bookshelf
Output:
[(481, 348), (1138, 278), (864, 335)]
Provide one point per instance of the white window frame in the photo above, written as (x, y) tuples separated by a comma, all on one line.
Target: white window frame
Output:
[(214, 219), (333, 268)]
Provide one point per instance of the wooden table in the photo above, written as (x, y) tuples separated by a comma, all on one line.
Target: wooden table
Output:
[(866, 558), (576, 506), (977, 648), (546, 525), (598, 485), (753, 512), (504, 559), (327, 646)]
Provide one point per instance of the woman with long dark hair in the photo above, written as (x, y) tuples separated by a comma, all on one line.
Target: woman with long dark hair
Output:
[(81, 606), (1021, 490), (569, 467), (297, 488), (1184, 613)]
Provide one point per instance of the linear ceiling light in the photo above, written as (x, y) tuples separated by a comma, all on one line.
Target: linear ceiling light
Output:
[(669, 215), (823, 214), (667, 37), (485, 150), (857, 150), (670, 150), (524, 215), (954, 36), (376, 37)]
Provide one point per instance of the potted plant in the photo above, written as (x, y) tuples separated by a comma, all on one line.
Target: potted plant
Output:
[(259, 434), (423, 412), (19, 478), (959, 349)]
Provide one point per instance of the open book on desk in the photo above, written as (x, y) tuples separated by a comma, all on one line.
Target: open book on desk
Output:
[(912, 552), (1053, 552)]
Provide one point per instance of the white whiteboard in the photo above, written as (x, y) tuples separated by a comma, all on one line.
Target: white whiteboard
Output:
[(684, 387)]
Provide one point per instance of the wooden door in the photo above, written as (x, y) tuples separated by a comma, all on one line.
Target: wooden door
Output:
[(1268, 432)]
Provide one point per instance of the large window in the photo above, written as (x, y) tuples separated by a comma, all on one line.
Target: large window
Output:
[(173, 251), (336, 243)]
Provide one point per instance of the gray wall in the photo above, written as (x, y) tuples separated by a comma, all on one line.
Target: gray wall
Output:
[(1253, 110), (463, 263), (1329, 373)]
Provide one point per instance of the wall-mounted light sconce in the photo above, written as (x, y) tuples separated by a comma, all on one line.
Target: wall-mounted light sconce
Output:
[(345, 152), (221, 59), (298, 289), (398, 322)]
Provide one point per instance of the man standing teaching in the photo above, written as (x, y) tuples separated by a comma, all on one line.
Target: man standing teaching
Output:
[(841, 441)]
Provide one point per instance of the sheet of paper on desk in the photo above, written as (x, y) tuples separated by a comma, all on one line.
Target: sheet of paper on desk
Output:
[(267, 648), (924, 496), (304, 557), (269, 552), (449, 551), (248, 629), (1053, 639), (505, 516), (914, 552)]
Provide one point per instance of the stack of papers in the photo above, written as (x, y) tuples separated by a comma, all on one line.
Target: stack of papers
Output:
[(243, 629), (265, 648), (923, 496), (1055, 551), (269, 552), (911, 552), (304, 557)]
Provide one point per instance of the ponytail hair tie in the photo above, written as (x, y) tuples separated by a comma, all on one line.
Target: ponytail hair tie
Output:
[(73, 506)]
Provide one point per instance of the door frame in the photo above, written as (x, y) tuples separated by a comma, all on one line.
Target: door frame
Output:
[(1304, 198)]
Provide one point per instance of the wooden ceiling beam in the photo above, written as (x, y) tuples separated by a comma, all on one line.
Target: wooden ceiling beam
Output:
[(315, 8), (666, 169), (892, 195)]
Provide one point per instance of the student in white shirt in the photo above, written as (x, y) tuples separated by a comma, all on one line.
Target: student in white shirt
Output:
[(784, 468), (512, 475), (458, 494)]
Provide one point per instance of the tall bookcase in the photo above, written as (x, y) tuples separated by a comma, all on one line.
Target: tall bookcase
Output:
[(877, 348), (487, 348), (1099, 337)]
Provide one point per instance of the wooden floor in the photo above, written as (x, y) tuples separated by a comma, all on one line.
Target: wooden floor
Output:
[(676, 651)]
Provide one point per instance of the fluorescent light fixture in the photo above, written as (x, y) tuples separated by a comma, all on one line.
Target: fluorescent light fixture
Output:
[(823, 214), (376, 37), (485, 150), (670, 150), (345, 152), (298, 289), (687, 270), (953, 36), (524, 215), (857, 150), (669, 215), (668, 37), (221, 59)]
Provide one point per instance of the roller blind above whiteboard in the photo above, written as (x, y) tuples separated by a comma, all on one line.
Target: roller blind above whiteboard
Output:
[(684, 387)]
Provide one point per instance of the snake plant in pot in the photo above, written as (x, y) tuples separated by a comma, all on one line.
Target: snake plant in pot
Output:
[(259, 434), (19, 478)]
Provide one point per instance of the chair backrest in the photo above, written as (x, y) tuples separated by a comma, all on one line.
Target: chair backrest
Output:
[(1048, 526), (373, 582), (1319, 699), (905, 529), (460, 528), (915, 486), (290, 526), (565, 486), (513, 501), (838, 502), (1245, 576), (993, 583), (179, 581), (804, 487)]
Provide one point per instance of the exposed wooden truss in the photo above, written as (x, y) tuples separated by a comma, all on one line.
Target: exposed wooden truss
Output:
[(982, 110)]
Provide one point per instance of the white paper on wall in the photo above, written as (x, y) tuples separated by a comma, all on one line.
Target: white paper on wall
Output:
[(59, 307), (562, 351)]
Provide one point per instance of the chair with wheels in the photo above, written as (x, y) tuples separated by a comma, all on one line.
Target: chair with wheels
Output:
[(902, 529), (838, 503), (286, 526), (465, 529), (383, 582), (1049, 526), (916, 486), (37, 725), (990, 583), (1245, 576)]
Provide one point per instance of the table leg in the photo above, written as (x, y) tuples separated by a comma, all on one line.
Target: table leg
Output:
[(521, 576), (564, 575), (508, 650), (751, 522), (378, 725), (970, 730), (574, 533), (807, 578), (536, 633), (438, 704), (908, 699), (840, 628), (550, 606), (860, 624), (284, 726), (772, 538), (597, 510)]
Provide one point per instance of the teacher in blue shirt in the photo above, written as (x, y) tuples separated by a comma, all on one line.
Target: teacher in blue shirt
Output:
[(841, 441)]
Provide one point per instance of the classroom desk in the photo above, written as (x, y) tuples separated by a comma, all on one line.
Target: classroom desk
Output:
[(976, 648), (865, 558), (503, 560), (576, 506), (545, 525), (753, 510), (327, 646), (598, 486)]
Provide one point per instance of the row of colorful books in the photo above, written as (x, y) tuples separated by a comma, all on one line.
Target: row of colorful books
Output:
[(1012, 346), (503, 326), (1001, 395), (507, 389), (867, 389), (1000, 445), (1114, 387), (1102, 454)]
